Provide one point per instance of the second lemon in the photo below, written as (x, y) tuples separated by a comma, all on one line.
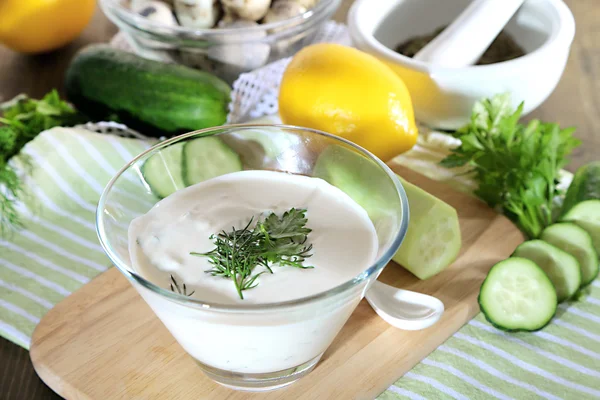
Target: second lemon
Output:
[(350, 94), (38, 26)]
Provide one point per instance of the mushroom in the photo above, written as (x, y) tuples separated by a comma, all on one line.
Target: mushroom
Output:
[(284, 9), (241, 57), (136, 4), (161, 13), (308, 4), (200, 14), (280, 11), (156, 11), (252, 10), (226, 19)]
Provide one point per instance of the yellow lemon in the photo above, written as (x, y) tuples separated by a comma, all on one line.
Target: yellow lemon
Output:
[(351, 94), (35, 26)]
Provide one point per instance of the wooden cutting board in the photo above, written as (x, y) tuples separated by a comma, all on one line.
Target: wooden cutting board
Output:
[(103, 341)]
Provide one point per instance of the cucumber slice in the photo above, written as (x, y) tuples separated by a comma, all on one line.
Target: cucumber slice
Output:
[(576, 241), (162, 171), (208, 157), (587, 215), (517, 296), (433, 239), (561, 267)]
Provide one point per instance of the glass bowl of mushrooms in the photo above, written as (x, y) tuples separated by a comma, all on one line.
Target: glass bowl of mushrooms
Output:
[(223, 37)]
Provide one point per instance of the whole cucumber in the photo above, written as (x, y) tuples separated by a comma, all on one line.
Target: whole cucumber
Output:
[(153, 97)]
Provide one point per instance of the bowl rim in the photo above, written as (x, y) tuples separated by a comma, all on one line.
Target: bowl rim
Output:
[(346, 286), (563, 31), (116, 8)]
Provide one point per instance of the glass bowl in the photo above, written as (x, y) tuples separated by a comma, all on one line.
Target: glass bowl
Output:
[(287, 338), (224, 52)]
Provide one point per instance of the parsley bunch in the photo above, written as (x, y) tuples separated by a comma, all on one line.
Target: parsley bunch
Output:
[(22, 120), (275, 241), (516, 166)]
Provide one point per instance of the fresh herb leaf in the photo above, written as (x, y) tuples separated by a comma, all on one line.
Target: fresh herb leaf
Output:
[(277, 241), (22, 120), (292, 224), (516, 166)]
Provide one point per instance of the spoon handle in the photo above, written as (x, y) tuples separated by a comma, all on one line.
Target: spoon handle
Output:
[(402, 308), (464, 41)]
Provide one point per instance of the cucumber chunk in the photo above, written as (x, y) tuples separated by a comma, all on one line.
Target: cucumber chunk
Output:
[(162, 171), (576, 241), (208, 157), (561, 267), (517, 295), (433, 239), (357, 176), (587, 215)]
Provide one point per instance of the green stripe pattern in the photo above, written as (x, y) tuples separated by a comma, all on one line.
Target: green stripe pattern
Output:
[(560, 362), (58, 252)]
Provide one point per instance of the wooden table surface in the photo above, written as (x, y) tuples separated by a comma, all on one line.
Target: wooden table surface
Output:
[(575, 102)]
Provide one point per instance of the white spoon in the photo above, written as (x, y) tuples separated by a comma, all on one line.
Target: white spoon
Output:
[(464, 41), (404, 309)]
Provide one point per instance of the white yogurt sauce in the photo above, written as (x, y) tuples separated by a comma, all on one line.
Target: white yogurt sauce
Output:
[(344, 244), (343, 237)]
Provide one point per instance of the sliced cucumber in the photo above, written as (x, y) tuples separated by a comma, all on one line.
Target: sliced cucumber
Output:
[(208, 157), (517, 296), (433, 239), (162, 171), (561, 267), (576, 241), (587, 215)]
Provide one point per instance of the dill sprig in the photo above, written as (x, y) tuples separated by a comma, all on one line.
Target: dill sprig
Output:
[(179, 289), (11, 189), (277, 241)]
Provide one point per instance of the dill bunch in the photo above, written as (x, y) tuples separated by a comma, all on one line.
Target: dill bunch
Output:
[(278, 240)]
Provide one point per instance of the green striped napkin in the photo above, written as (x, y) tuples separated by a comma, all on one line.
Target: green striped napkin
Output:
[(58, 252)]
